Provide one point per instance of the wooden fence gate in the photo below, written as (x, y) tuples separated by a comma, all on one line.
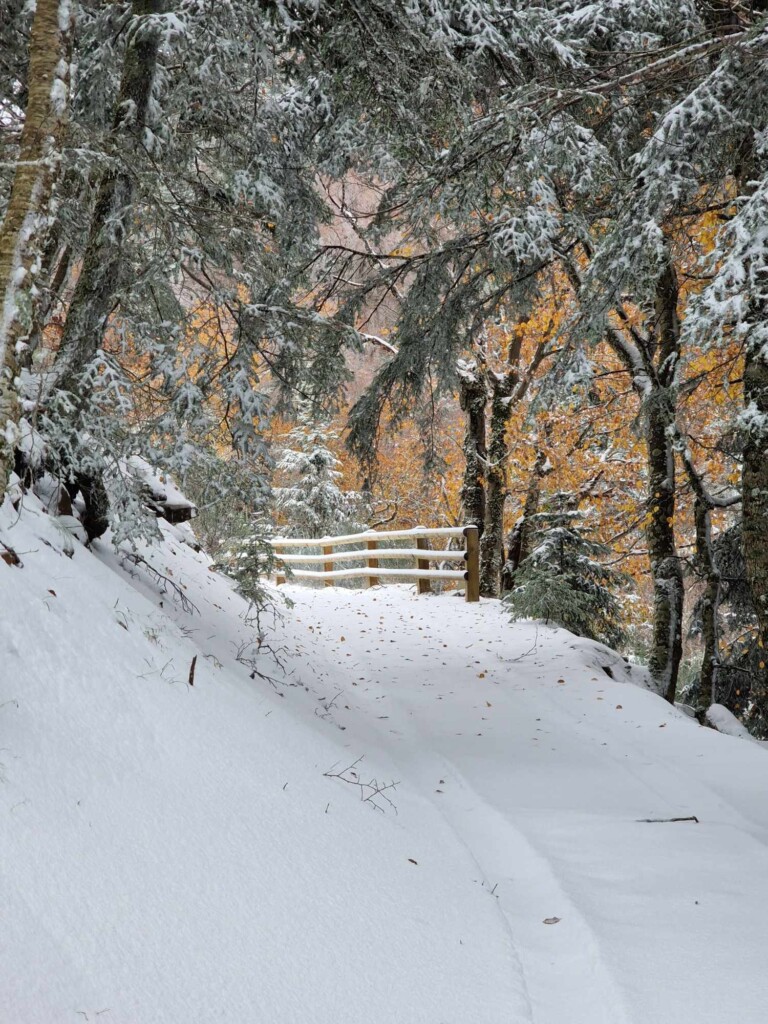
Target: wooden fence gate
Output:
[(372, 554)]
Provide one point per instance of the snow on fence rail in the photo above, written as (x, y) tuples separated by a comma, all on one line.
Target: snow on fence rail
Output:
[(372, 555)]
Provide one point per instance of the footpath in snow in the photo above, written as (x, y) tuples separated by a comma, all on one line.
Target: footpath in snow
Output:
[(183, 854)]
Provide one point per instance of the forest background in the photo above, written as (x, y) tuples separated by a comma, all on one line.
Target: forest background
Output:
[(336, 264)]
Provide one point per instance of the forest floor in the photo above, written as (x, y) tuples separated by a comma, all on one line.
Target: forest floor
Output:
[(186, 841)]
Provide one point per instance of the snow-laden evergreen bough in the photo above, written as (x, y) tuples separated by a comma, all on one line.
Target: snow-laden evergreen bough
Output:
[(567, 163)]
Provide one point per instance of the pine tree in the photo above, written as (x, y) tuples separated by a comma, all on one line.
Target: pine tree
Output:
[(311, 502), (563, 579)]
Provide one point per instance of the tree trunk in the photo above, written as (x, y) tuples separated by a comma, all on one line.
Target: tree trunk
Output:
[(99, 280), (667, 643), (710, 632), (25, 219), (473, 398), (519, 544), (755, 520), (492, 540), (56, 265)]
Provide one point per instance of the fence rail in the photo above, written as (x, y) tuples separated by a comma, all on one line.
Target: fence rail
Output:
[(371, 554)]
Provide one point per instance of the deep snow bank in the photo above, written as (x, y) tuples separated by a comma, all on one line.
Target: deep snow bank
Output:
[(175, 854)]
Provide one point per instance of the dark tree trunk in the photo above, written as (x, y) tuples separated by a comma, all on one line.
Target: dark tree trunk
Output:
[(484, 492), (99, 280), (667, 642), (521, 538), (492, 540), (56, 267), (710, 632), (755, 521), (473, 398), (95, 517)]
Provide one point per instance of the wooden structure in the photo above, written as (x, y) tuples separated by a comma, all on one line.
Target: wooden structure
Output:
[(372, 549)]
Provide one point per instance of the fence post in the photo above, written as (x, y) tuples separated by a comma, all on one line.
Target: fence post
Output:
[(473, 563), (373, 563), (425, 587), (328, 566), (279, 578)]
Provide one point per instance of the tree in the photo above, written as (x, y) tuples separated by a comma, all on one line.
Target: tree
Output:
[(564, 578), (168, 208), (523, 188), (310, 501), (26, 216)]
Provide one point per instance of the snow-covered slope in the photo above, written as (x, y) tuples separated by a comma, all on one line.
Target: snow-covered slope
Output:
[(176, 854)]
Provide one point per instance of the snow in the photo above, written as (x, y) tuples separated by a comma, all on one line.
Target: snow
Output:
[(177, 853), (723, 720), (160, 485)]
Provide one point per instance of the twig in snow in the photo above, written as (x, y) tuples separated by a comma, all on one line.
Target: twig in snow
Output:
[(164, 582), (520, 657), (328, 704), (369, 791), (691, 817), (249, 654)]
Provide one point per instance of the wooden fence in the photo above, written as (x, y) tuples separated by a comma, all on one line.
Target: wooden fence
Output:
[(372, 555)]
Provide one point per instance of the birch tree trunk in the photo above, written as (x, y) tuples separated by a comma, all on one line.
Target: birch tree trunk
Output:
[(23, 228), (100, 276)]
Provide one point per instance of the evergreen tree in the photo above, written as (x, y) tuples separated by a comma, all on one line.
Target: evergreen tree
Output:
[(563, 579), (311, 502)]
